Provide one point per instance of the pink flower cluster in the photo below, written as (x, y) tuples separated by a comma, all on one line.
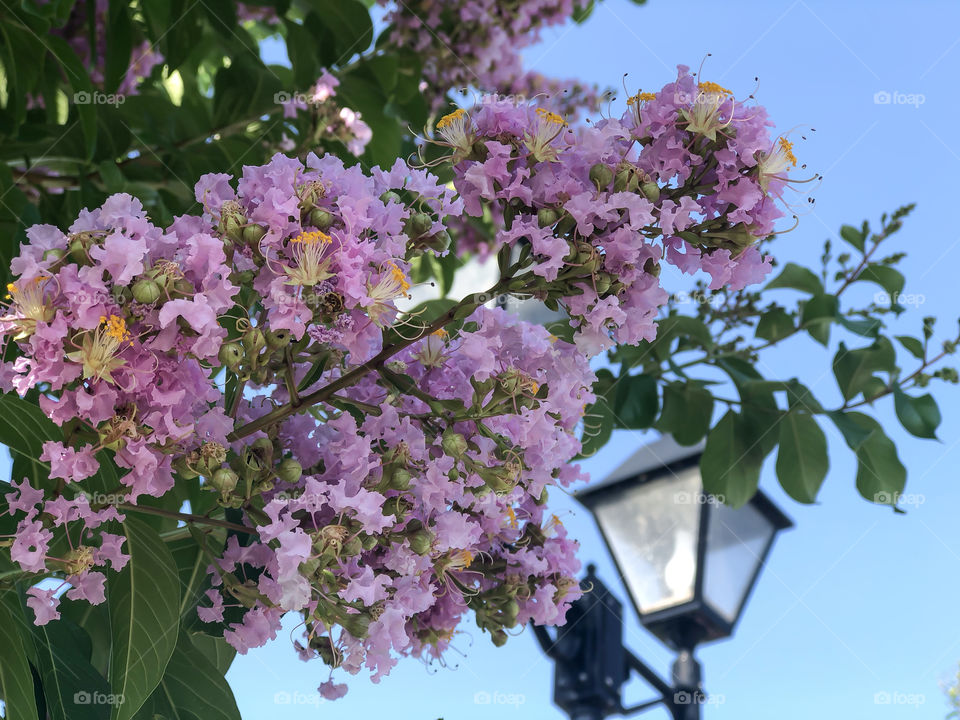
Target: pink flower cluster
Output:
[(385, 472), (332, 120), (688, 176), (472, 43)]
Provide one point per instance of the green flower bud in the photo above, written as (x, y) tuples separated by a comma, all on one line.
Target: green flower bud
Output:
[(289, 470), (421, 542), (224, 480), (390, 196), (439, 242), (418, 224), (621, 179), (499, 637), (400, 480), (230, 356), (263, 448), (146, 291), (253, 234), (601, 175), (651, 191), (321, 219), (602, 282), (253, 341), (547, 217), (232, 220), (277, 339), (453, 444), (652, 267)]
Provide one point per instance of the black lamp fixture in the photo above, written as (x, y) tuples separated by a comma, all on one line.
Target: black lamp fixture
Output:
[(689, 563)]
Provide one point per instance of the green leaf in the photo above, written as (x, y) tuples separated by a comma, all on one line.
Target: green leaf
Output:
[(886, 277), (16, 680), (191, 684), (119, 34), (636, 402), (867, 327), (920, 416), (913, 346), (799, 278), (218, 651), (853, 236), (881, 476), (144, 615), (730, 464), (774, 325), (82, 88), (802, 461), (854, 368), (598, 422), (23, 429), (687, 412), (819, 312), (349, 24), (73, 689)]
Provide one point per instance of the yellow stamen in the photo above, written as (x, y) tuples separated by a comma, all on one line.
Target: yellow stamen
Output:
[(310, 266), (316, 236), (787, 148), (449, 119), (641, 97), (511, 517), (714, 88), (551, 117), (441, 333)]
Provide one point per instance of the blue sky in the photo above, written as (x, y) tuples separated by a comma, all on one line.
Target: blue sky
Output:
[(856, 604)]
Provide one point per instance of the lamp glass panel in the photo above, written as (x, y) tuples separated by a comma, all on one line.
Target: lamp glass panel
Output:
[(736, 540), (652, 530)]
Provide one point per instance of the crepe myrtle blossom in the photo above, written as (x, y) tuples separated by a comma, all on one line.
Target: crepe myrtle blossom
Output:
[(384, 473)]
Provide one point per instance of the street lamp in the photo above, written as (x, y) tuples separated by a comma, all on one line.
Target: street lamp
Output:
[(689, 563)]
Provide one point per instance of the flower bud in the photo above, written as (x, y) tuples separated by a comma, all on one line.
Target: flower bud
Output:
[(146, 291), (224, 480), (263, 448), (602, 282), (439, 242), (652, 267), (418, 224), (54, 254), (454, 444), (253, 341), (321, 219), (289, 471), (277, 339), (253, 234), (651, 191), (601, 175), (232, 220), (400, 480), (230, 356), (390, 196), (499, 637), (547, 217), (421, 542)]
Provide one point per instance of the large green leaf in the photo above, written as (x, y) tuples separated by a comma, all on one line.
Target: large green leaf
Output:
[(24, 428), (687, 412), (73, 689), (144, 616), (881, 476), (636, 401), (854, 368), (802, 461), (920, 416), (730, 464), (797, 277), (15, 676), (192, 687)]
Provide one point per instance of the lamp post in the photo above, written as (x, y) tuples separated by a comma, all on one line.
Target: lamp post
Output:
[(689, 563)]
